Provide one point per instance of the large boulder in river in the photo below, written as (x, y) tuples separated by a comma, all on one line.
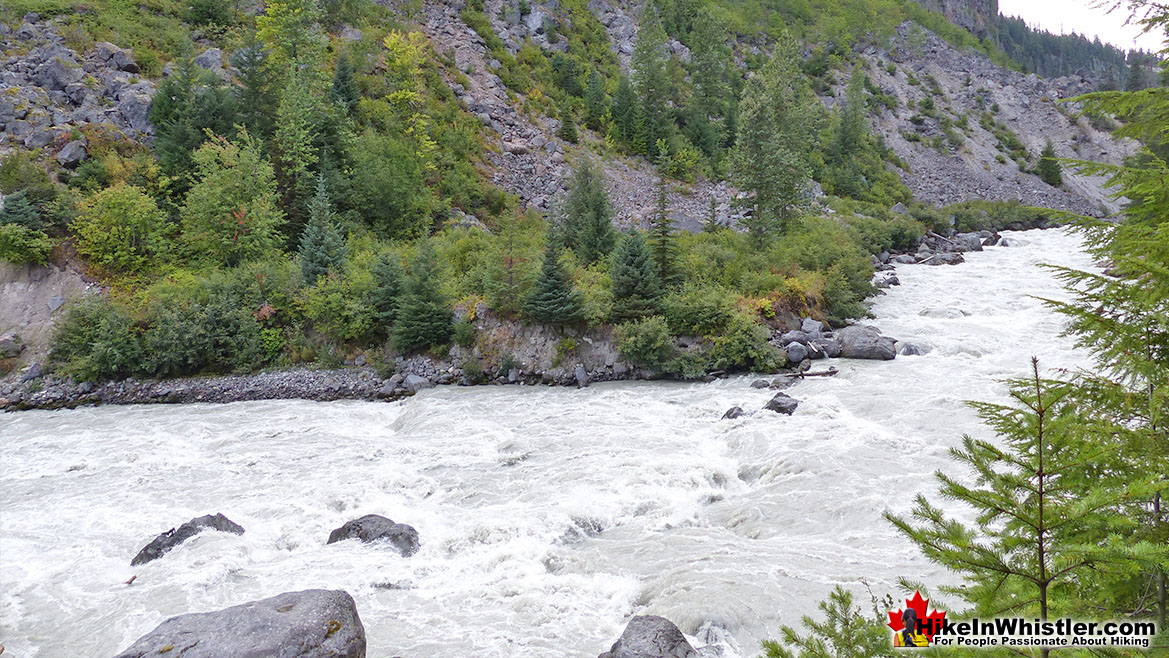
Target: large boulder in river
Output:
[(782, 403), (371, 528), (314, 623), (175, 536), (863, 342), (651, 637)]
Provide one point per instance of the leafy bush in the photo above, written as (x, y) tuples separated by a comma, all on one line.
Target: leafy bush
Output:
[(215, 336), (646, 342), (698, 310), (121, 228), (97, 340), (20, 245), (464, 334), (339, 307), (744, 346)]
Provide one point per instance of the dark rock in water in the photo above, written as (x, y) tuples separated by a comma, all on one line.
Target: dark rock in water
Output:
[(314, 623), (831, 347), (581, 377), (991, 241), (862, 342), (373, 527), (759, 383), (948, 258), (796, 352), (904, 259), (781, 383), (651, 637), (415, 383), (912, 349), (732, 413), (176, 536), (782, 403)]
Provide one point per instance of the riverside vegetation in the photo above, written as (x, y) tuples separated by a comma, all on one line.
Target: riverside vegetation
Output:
[(316, 206)]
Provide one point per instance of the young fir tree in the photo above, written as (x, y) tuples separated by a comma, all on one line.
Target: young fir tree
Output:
[(588, 228), (595, 98), (510, 271), (1123, 316), (189, 104), (387, 290), (1049, 169), (567, 129), (845, 632), (344, 91), (553, 300), (624, 110), (322, 246), (255, 92), (1046, 500), (778, 118), (423, 319), (661, 240), (637, 289)]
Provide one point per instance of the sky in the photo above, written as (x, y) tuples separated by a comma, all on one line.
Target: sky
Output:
[(1081, 17)]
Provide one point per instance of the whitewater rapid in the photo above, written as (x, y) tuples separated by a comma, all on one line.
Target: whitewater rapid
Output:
[(548, 516)]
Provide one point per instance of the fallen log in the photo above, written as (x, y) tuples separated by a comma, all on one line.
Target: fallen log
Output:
[(820, 373)]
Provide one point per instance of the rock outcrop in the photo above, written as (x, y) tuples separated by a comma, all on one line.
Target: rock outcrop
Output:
[(175, 536), (373, 528), (313, 623)]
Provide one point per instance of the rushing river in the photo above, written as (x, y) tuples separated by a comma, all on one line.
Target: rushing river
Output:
[(548, 516)]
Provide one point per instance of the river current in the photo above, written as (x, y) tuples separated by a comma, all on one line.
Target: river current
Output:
[(547, 516)]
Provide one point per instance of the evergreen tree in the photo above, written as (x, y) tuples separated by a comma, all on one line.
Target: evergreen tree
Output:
[(322, 246), (344, 91), (567, 129), (844, 633), (848, 138), (588, 228), (510, 272), (189, 104), (595, 101), (291, 30), (777, 126), (255, 92), (650, 79), (1049, 170), (387, 290), (567, 74), (637, 289), (19, 210), (423, 318), (1045, 497), (553, 300), (711, 63), (661, 240), (1136, 77), (624, 109)]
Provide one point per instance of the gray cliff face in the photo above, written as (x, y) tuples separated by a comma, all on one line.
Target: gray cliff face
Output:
[(975, 16)]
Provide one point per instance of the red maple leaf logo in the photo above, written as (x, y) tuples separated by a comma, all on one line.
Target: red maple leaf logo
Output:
[(931, 623)]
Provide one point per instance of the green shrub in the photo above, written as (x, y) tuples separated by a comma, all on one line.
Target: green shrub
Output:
[(339, 307), (744, 346), (20, 245), (97, 340), (464, 334), (18, 172), (121, 228), (698, 310), (646, 342), (216, 336)]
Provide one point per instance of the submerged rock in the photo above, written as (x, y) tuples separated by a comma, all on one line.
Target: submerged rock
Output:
[(372, 527), (650, 637), (313, 623), (175, 536), (863, 342), (733, 413), (782, 403)]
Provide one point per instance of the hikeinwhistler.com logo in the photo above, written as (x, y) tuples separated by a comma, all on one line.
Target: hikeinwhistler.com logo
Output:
[(918, 626)]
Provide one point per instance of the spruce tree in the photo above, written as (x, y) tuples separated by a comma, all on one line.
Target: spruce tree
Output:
[(595, 101), (188, 105), (588, 228), (661, 240), (255, 92), (424, 315), (1045, 498), (387, 290), (845, 632), (624, 110), (567, 129), (1049, 169), (322, 246), (344, 91), (637, 289), (19, 210), (650, 79), (553, 300)]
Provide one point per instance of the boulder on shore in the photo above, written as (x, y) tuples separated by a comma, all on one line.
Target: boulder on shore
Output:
[(314, 623), (175, 536), (650, 636), (863, 342), (372, 527)]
